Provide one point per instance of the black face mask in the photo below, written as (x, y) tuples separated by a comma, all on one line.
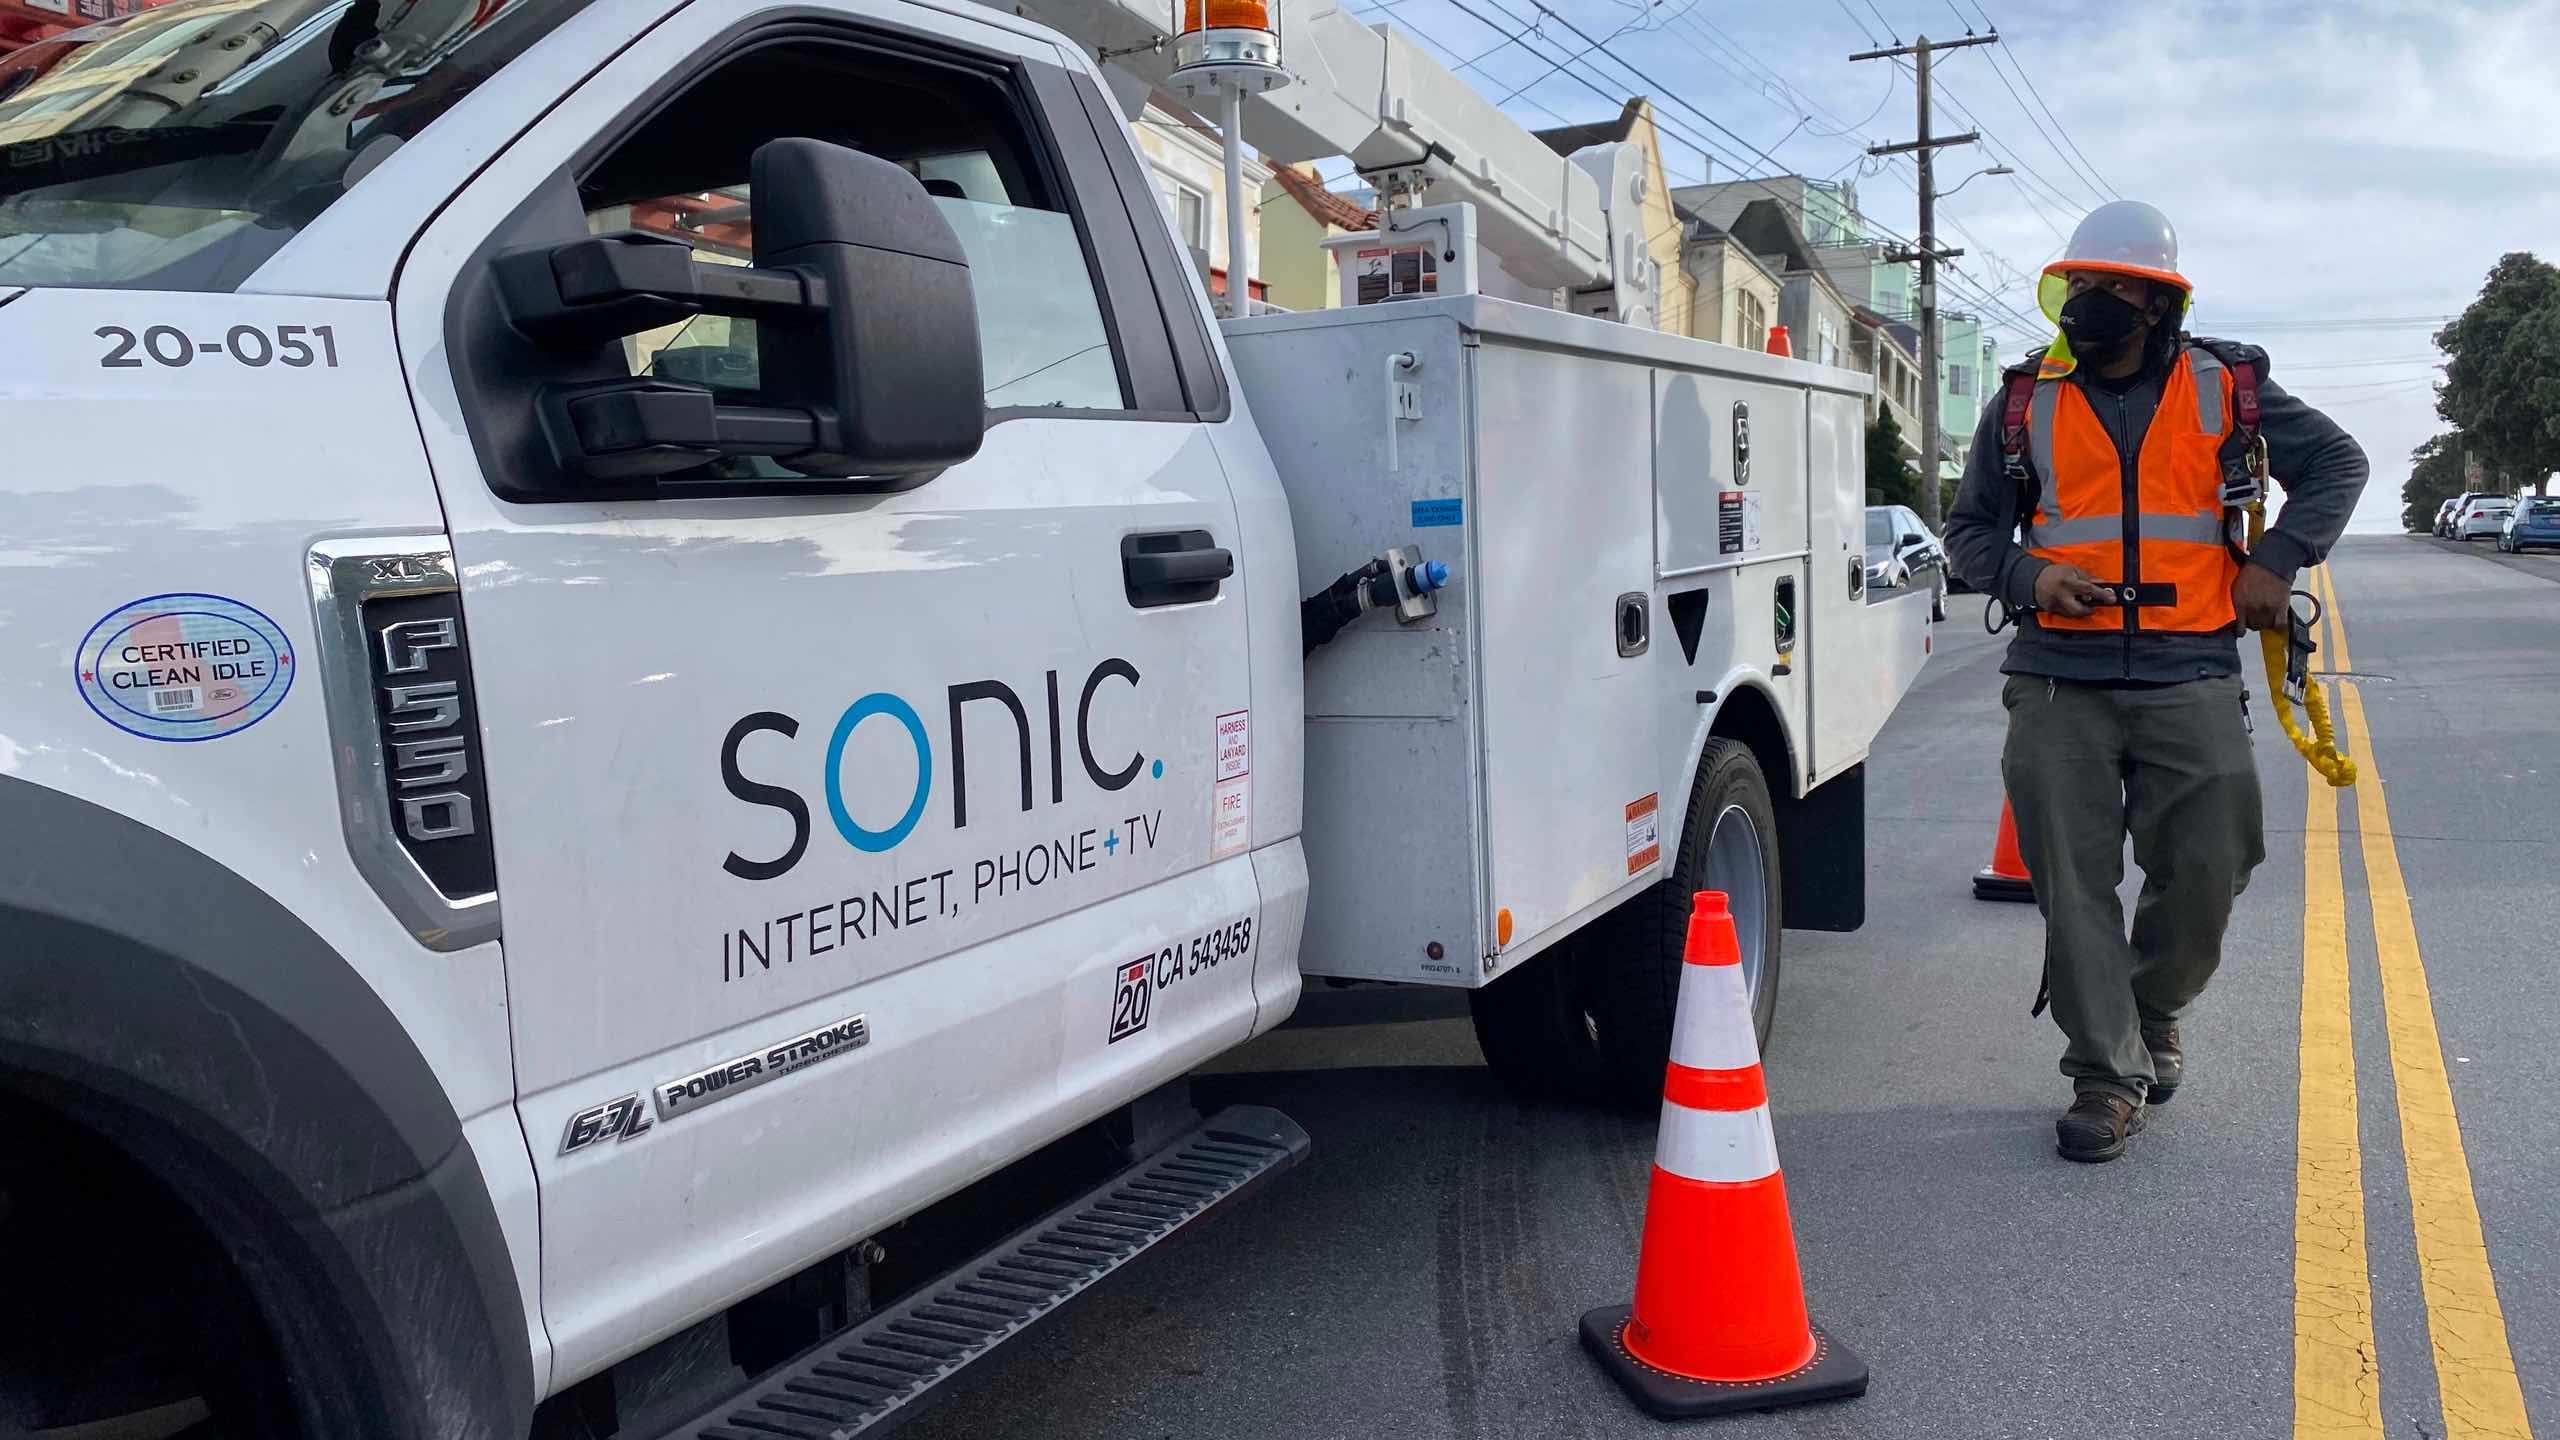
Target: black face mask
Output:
[(2100, 325)]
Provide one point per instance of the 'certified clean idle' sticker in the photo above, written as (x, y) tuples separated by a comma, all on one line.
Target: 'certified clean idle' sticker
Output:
[(184, 667)]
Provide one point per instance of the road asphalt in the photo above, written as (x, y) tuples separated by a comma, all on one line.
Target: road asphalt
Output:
[(1420, 1275)]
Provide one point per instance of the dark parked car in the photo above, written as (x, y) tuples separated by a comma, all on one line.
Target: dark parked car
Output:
[(1902, 555)]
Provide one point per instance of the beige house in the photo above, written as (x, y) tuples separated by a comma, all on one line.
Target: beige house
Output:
[(1189, 162), (1736, 294), (1663, 227)]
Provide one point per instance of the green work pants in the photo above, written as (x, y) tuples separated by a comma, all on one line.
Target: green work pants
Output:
[(2087, 765)]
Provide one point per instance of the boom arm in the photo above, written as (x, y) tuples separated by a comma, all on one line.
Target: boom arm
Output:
[(1372, 96)]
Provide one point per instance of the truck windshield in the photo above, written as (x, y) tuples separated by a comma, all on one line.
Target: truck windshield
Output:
[(178, 148)]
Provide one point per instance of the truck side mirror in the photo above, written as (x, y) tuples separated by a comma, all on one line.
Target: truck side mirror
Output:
[(866, 332), (895, 365)]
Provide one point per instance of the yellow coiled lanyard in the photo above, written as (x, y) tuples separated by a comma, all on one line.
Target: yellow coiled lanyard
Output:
[(2288, 652)]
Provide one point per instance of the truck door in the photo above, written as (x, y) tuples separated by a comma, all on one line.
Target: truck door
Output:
[(850, 842)]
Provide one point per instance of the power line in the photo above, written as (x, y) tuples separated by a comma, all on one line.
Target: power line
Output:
[(1678, 130), (2349, 322), (1887, 24), (2430, 361), (1863, 31), (2096, 187), (2064, 130), (2015, 159)]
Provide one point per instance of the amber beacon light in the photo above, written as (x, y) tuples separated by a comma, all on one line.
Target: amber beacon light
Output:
[(1228, 49)]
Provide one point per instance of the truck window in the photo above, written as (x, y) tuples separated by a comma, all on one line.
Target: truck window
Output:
[(178, 148), (683, 174)]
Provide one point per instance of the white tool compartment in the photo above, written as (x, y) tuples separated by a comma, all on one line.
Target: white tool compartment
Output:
[(1529, 748)]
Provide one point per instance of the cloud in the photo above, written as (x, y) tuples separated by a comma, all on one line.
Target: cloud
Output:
[(2322, 165)]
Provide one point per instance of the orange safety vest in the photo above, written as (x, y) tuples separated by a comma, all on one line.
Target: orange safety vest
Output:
[(2170, 550)]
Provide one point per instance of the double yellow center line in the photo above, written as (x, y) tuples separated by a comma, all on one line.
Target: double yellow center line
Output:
[(2337, 1387)]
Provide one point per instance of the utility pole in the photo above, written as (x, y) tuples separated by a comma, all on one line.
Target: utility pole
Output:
[(1928, 253)]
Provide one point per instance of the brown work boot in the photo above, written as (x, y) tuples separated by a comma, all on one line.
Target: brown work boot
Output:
[(2096, 1126), (2168, 1061)]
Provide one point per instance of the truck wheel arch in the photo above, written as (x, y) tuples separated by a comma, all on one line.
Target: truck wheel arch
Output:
[(1821, 831), (159, 1000)]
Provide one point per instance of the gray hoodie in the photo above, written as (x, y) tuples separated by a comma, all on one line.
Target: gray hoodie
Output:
[(2320, 466)]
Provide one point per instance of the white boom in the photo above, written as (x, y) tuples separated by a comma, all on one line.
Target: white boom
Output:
[(1370, 95)]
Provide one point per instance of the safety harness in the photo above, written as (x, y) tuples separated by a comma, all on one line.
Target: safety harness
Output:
[(2244, 511)]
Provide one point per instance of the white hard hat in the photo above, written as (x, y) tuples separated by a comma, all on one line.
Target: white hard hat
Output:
[(2125, 237)]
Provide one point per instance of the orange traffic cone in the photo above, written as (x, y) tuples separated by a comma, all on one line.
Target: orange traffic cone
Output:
[(1718, 1322), (2006, 879), (1778, 342)]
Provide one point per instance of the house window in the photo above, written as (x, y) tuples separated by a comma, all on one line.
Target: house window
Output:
[(1190, 210), (1828, 337), (1959, 380), (1754, 319)]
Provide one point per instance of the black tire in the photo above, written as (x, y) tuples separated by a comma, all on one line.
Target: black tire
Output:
[(1938, 602), (1591, 1019), (1535, 1028), (126, 1311)]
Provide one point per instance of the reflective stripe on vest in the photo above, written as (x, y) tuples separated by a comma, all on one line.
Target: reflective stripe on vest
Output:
[(2179, 529)]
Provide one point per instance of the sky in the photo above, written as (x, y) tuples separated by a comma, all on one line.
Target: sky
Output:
[(2341, 178)]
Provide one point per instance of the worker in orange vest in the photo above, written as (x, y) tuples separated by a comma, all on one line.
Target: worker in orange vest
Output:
[(2123, 450)]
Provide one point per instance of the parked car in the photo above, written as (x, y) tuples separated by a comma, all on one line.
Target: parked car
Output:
[(2484, 516), (1902, 554), (2449, 518), (2535, 521)]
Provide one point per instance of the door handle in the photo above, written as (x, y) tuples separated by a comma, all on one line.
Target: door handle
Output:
[(1173, 567)]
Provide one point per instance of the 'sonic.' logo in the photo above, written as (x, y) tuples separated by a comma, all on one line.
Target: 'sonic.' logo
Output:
[(884, 708)]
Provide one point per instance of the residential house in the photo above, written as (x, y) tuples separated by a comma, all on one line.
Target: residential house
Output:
[(1189, 161), (1765, 230), (1824, 323), (1298, 216), (1963, 348), (1738, 296), (1675, 303), (1826, 213)]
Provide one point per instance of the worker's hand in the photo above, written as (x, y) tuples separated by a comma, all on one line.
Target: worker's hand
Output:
[(2261, 598), (2067, 590)]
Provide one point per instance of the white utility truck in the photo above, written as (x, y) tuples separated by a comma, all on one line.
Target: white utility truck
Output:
[(659, 675)]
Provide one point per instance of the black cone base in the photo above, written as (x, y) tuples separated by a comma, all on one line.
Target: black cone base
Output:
[(1833, 1374), (1992, 885)]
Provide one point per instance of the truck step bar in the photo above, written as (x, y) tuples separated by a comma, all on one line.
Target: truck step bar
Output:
[(871, 1377)]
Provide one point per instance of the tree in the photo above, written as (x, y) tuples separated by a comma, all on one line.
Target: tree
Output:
[(1891, 477), (2502, 380), (2435, 476)]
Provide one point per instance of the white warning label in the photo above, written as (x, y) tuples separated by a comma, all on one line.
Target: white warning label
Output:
[(1235, 749), (1230, 815)]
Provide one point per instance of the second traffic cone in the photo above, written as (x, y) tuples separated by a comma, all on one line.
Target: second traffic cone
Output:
[(1778, 342), (2006, 877), (1719, 1321)]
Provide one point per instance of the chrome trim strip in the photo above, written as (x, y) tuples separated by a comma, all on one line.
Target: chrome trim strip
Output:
[(344, 574)]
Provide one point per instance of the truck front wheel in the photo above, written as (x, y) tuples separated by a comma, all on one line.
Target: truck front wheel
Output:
[(123, 1319), (1591, 1018)]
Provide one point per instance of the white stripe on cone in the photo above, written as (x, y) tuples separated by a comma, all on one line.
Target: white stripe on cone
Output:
[(1711, 1029), (1716, 1145)]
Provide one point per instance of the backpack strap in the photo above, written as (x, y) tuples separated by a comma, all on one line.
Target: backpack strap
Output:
[(2017, 392), (2244, 452)]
